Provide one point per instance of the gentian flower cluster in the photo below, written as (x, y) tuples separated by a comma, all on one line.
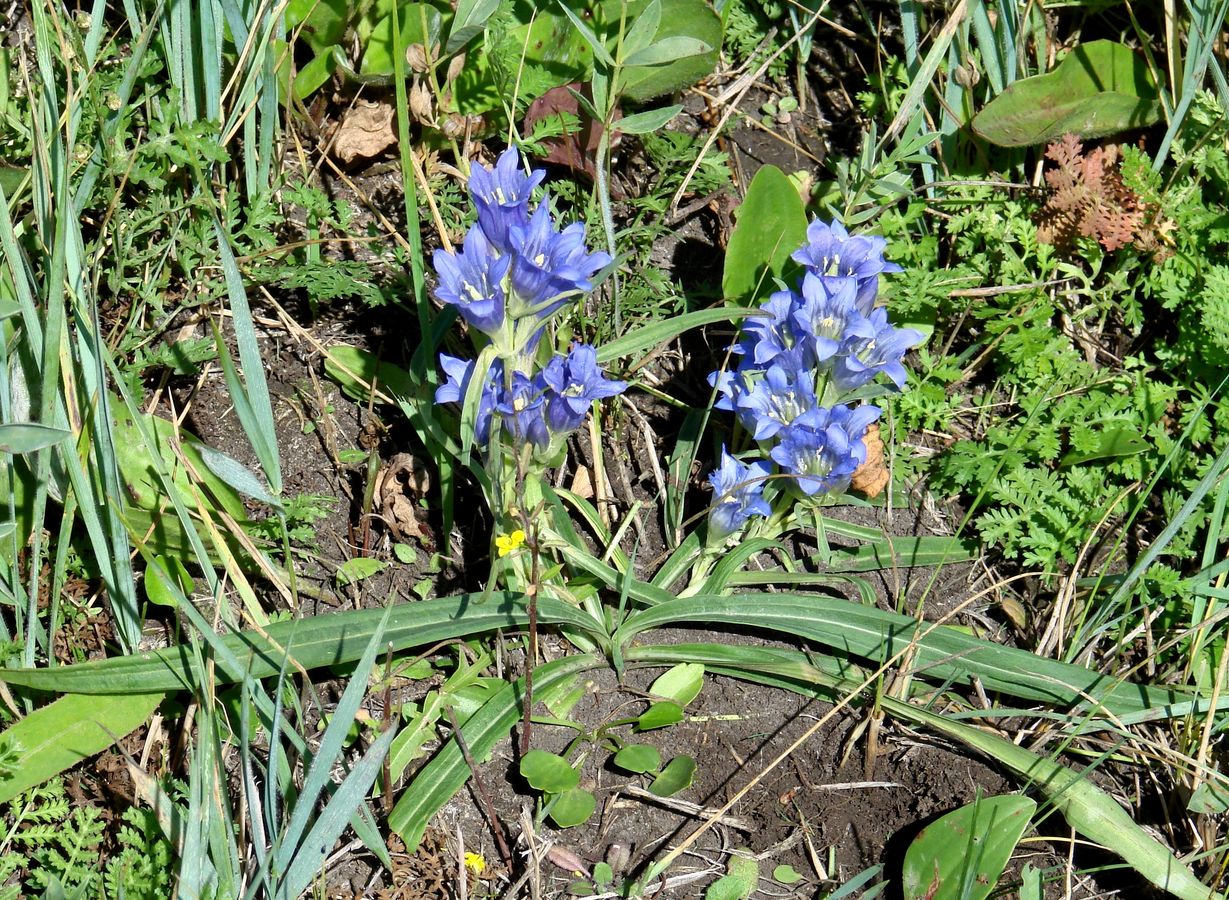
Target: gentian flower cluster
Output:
[(802, 366), (515, 270)]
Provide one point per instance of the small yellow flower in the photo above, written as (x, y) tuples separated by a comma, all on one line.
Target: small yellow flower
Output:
[(475, 863), (506, 543)]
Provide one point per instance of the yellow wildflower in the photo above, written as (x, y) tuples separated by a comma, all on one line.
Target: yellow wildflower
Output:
[(506, 543)]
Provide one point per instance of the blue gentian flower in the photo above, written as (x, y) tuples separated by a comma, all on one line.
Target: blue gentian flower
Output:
[(548, 265), (828, 312), (521, 408), (879, 347), (782, 395), (472, 281), (822, 448), (766, 337), (572, 384), (459, 372), (501, 195), (738, 494), (831, 251)]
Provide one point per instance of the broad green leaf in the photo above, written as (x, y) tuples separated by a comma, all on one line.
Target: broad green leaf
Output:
[(1100, 88), (548, 772), (961, 856), (61, 734), (419, 728), (1211, 798), (647, 121), (573, 807), (358, 568), (469, 19), (26, 437), (378, 48), (740, 881), (311, 77), (326, 640), (770, 224), (158, 577), (659, 715), (638, 758), (786, 874), (237, 475), (681, 684), (675, 777), (685, 26), (319, 23)]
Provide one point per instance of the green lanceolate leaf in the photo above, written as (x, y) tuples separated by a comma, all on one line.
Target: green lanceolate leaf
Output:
[(1099, 88), (770, 224), (58, 736), (648, 121), (938, 652), (26, 437), (683, 51), (961, 856), (318, 641), (649, 336)]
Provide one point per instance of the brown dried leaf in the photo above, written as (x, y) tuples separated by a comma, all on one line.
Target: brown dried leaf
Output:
[(400, 484), (365, 131), (871, 477)]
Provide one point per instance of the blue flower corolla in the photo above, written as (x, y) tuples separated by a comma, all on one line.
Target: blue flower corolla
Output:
[(472, 281), (521, 408), (766, 337), (776, 400), (828, 312), (572, 384), (501, 195), (738, 491), (549, 265), (822, 448), (831, 251), (459, 372), (878, 347)]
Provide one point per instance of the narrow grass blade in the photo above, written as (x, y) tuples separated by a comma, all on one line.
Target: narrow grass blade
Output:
[(331, 746)]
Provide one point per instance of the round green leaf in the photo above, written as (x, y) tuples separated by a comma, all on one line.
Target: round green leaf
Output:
[(548, 772), (786, 875), (638, 758), (572, 807), (676, 776)]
